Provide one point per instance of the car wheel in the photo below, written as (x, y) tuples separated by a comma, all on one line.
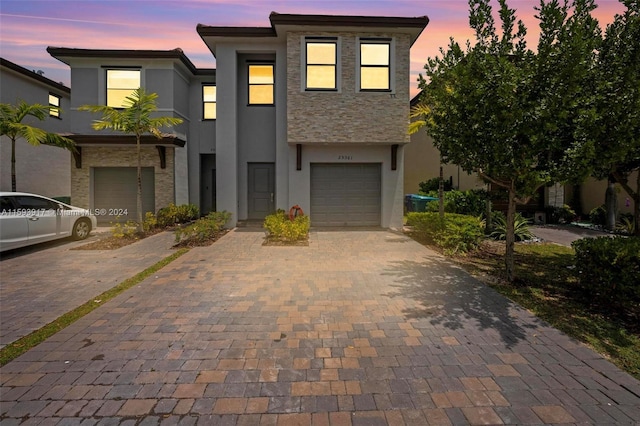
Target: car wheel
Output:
[(81, 229)]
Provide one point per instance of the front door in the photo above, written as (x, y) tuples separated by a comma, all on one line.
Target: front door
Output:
[(261, 190)]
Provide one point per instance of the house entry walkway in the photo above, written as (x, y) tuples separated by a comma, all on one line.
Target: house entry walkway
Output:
[(358, 328)]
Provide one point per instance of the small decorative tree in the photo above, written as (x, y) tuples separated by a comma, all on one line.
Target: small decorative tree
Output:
[(11, 125), (135, 118)]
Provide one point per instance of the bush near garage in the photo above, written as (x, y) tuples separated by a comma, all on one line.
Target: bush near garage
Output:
[(203, 230), (282, 229), (455, 234), (609, 268), (173, 215)]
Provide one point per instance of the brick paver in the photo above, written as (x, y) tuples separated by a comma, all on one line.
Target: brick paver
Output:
[(358, 328), (38, 286)]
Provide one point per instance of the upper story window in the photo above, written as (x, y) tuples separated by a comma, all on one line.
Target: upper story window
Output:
[(261, 83), (209, 102), (120, 84), (375, 64), (321, 64), (54, 105)]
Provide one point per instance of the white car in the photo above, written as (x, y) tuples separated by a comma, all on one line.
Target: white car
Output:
[(27, 219)]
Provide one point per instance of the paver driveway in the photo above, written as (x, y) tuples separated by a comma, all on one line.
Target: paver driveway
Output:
[(360, 327)]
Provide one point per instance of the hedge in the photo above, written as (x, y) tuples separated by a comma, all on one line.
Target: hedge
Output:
[(456, 233)]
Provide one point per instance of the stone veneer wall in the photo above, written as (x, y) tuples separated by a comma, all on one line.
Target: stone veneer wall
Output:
[(347, 116), (122, 157)]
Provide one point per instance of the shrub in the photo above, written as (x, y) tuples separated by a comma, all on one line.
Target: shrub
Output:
[(564, 214), (433, 184), (598, 216), (203, 229), (521, 229), (471, 202), (129, 229), (280, 228), (150, 222), (609, 267), (626, 224), (454, 234), (172, 214)]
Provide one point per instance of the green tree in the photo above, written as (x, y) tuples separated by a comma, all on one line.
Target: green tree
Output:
[(616, 152), (492, 111), (135, 118), (11, 125)]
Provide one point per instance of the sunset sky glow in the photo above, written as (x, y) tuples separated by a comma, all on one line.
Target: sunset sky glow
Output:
[(27, 27)]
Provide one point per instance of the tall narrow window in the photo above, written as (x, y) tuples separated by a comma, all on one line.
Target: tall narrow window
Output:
[(54, 105), (120, 84), (209, 102), (321, 64), (261, 84), (375, 60)]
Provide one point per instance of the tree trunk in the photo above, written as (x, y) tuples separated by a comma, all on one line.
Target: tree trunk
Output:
[(636, 206), (13, 165), (139, 195), (441, 194), (611, 205), (488, 224), (510, 237)]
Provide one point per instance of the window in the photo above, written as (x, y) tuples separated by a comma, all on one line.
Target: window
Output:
[(375, 60), (120, 84), (321, 64), (261, 84), (209, 102), (54, 105)]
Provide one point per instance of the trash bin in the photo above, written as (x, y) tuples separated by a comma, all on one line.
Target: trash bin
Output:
[(418, 202)]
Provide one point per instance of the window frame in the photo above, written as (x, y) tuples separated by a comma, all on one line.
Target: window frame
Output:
[(106, 82), (204, 102), (272, 84), (390, 68), (54, 110), (320, 40)]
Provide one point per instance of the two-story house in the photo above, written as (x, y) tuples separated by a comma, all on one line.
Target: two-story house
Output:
[(312, 111), (39, 169), (103, 173)]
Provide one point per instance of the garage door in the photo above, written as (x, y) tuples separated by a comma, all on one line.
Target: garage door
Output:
[(115, 189), (345, 195)]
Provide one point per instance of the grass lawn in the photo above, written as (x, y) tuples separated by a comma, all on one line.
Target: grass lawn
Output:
[(546, 284)]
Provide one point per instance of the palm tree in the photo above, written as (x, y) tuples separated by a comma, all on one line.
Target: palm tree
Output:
[(11, 125), (135, 118)]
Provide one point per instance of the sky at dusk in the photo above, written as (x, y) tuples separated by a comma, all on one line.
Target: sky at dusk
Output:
[(27, 27)]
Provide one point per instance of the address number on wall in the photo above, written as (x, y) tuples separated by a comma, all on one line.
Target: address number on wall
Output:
[(345, 157)]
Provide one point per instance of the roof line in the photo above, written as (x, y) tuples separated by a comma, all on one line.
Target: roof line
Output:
[(31, 74), (61, 52)]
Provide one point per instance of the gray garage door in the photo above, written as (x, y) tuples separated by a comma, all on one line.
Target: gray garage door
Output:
[(115, 189), (345, 194)]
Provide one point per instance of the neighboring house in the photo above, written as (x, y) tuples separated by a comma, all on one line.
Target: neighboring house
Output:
[(103, 173), (312, 110), (39, 169), (422, 162)]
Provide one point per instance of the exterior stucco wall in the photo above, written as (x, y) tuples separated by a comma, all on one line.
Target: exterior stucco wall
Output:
[(39, 169), (348, 116), (392, 180), (422, 162), (592, 195), (81, 180)]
